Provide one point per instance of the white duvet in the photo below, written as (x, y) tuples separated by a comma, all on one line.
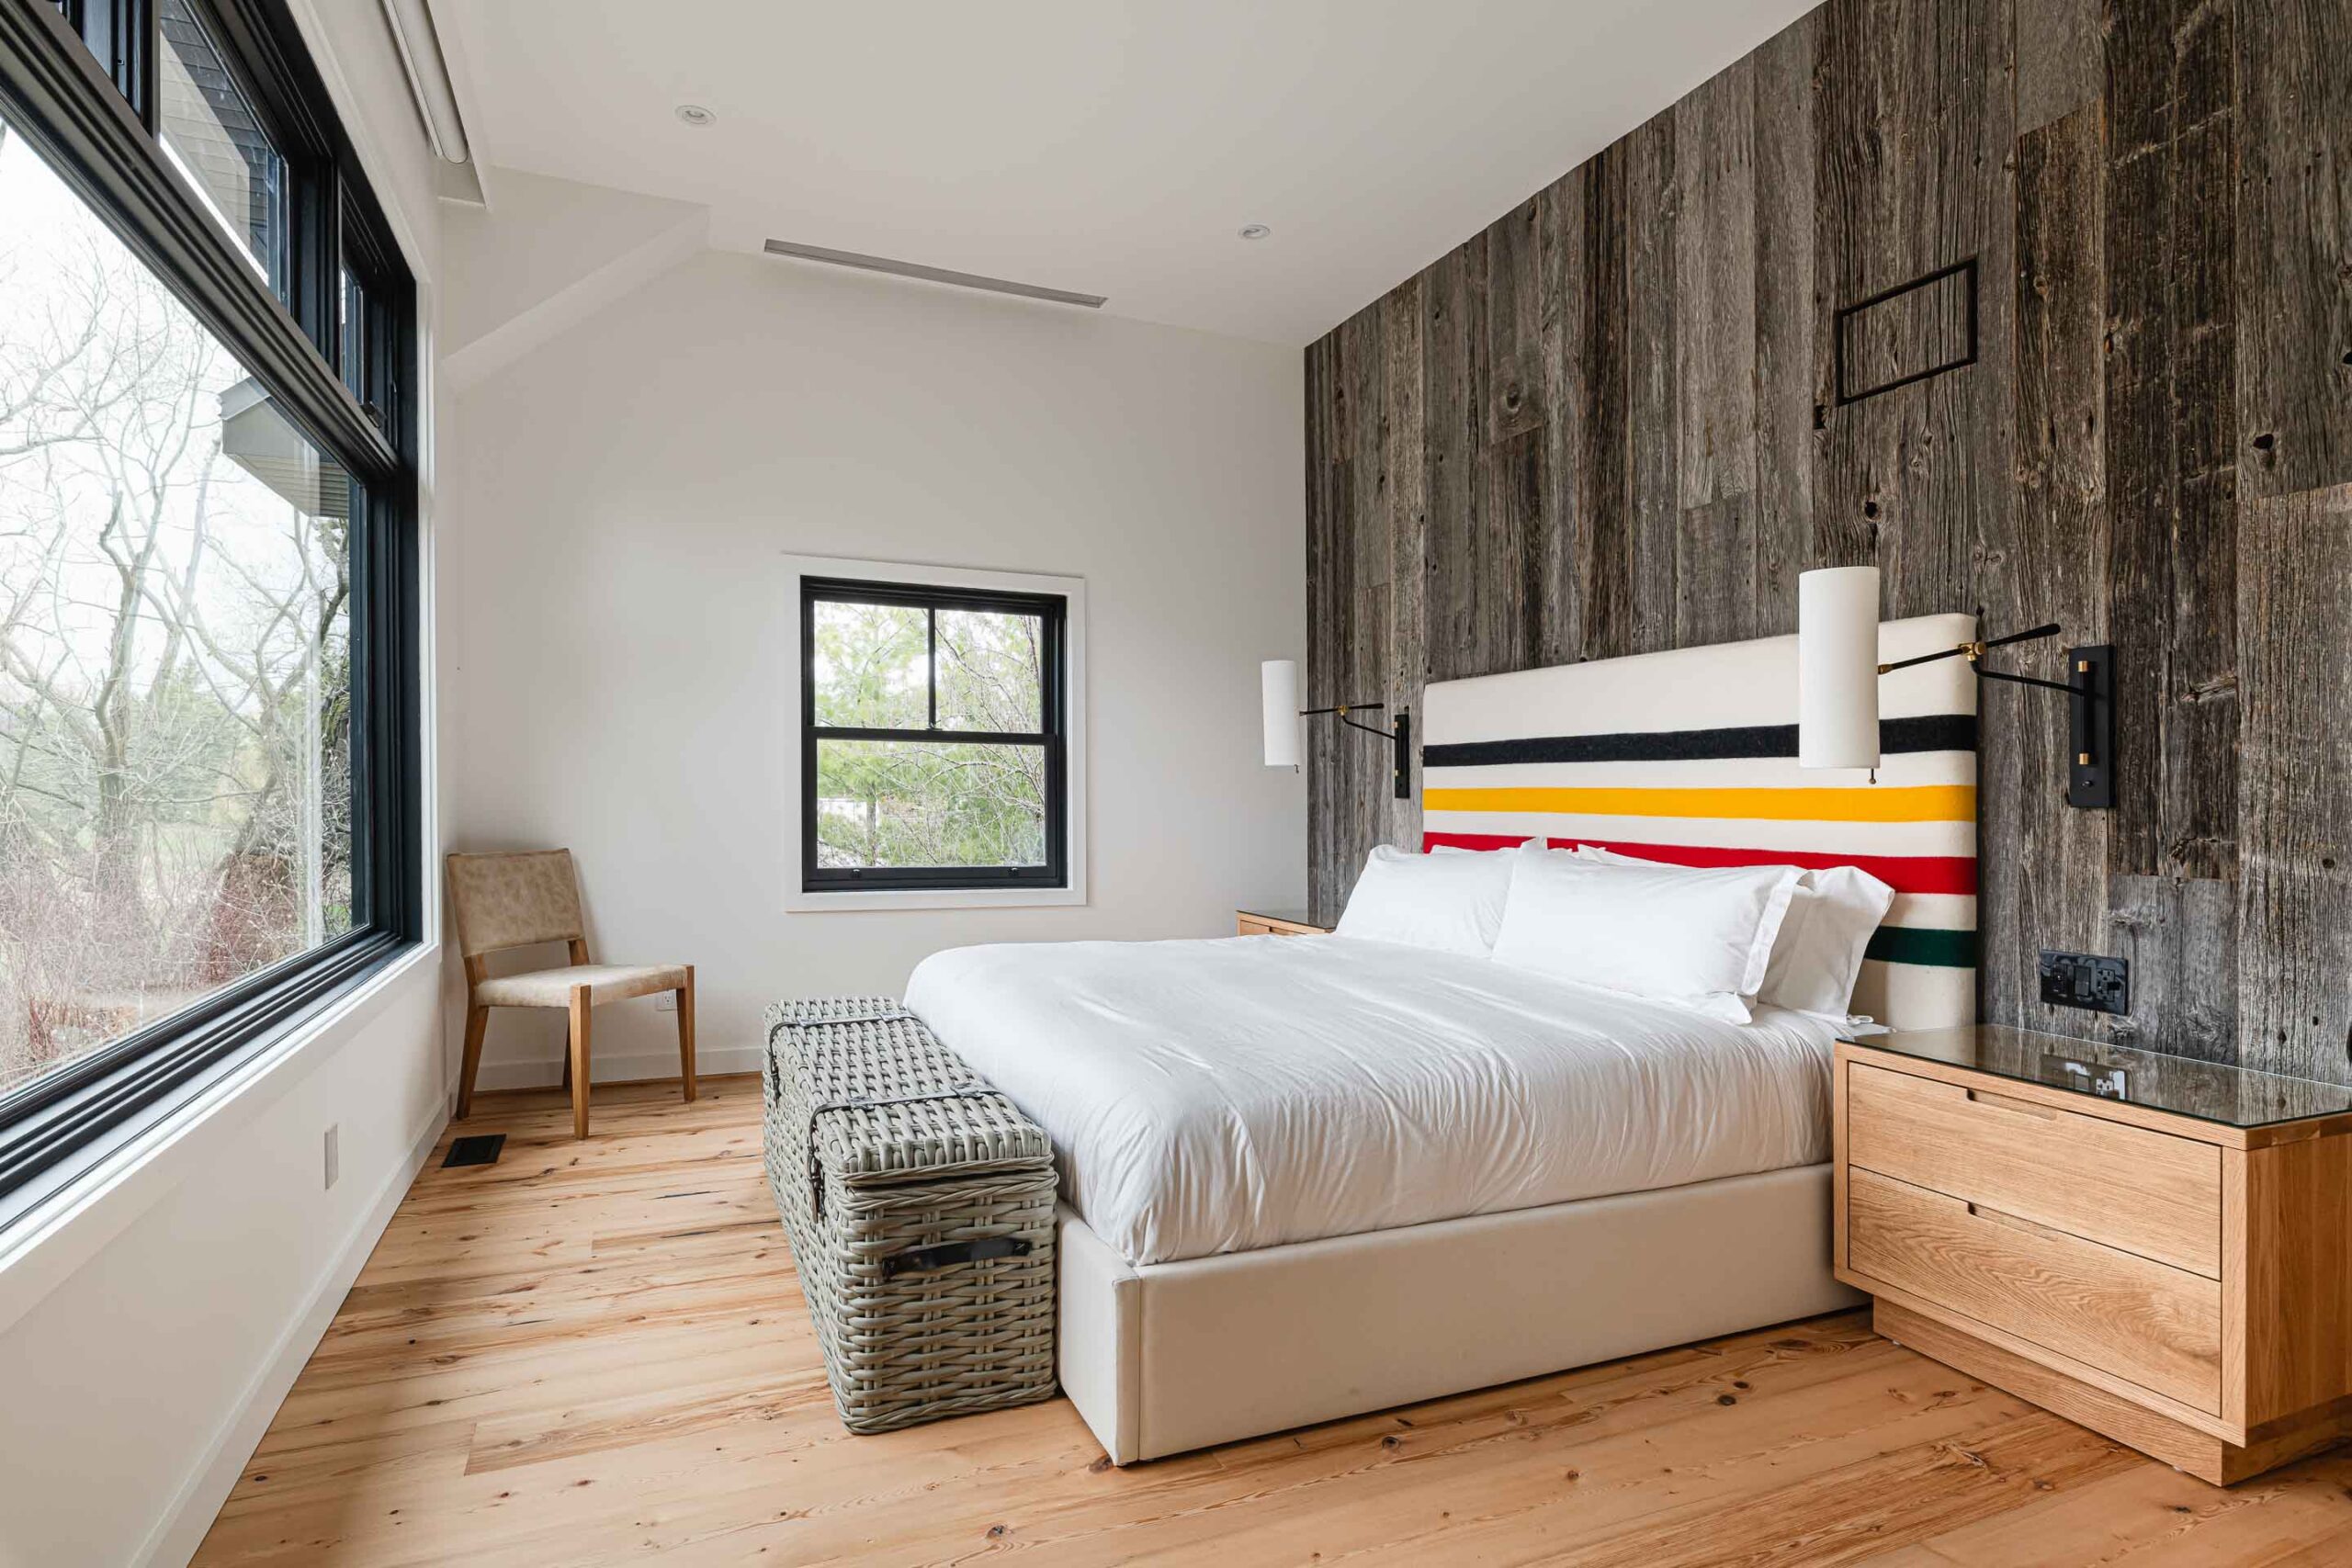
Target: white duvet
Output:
[(1219, 1095)]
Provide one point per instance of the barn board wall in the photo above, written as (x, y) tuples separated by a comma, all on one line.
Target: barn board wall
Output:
[(1608, 424)]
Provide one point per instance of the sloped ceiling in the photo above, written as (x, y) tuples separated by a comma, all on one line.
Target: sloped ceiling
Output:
[(1106, 146)]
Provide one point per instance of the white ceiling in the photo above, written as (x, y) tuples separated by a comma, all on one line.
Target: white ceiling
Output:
[(1107, 146)]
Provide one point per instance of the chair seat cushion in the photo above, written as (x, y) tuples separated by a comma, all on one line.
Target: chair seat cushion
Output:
[(605, 983)]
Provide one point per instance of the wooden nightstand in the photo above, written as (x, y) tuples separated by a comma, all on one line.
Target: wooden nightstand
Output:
[(1276, 922), (2171, 1265)]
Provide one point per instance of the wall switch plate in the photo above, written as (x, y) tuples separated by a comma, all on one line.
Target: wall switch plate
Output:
[(2087, 981), (334, 1152)]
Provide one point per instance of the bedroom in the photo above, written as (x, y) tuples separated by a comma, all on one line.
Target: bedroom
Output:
[(438, 428)]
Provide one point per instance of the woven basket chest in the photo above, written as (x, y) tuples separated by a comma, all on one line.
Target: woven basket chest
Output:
[(919, 1206)]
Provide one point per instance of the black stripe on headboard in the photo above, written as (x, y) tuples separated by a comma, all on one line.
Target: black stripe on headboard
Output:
[(1937, 732)]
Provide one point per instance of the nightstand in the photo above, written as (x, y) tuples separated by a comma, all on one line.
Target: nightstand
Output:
[(2155, 1247), (1276, 922)]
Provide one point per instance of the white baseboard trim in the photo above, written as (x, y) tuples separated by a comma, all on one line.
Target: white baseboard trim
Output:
[(545, 1072), (181, 1528)]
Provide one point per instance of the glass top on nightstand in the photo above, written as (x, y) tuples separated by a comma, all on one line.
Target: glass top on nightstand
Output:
[(1286, 916), (2211, 1092)]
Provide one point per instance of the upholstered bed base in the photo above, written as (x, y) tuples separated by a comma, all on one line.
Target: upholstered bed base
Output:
[(1176, 1355)]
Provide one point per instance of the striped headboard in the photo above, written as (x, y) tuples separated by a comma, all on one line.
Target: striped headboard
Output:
[(1691, 756)]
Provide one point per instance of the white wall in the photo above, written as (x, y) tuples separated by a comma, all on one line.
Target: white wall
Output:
[(151, 1322), (617, 676)]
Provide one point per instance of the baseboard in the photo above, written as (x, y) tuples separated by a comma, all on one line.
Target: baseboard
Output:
[(545, 1072), (181, 1528)]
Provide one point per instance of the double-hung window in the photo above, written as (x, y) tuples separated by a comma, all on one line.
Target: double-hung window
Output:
[(935, 753), (208, 794)]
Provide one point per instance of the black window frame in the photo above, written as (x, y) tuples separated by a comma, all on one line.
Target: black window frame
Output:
[(77, 81), (1053, 612)]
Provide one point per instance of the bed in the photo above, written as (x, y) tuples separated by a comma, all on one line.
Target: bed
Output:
[(1307, 1178)]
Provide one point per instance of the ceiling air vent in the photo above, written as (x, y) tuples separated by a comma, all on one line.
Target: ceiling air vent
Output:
[(897, 268)]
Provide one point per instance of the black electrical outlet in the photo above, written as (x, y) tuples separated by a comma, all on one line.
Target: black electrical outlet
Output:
[(2084, 980)]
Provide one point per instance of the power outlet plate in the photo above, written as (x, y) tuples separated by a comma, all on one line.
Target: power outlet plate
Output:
[(334, 1152), (2088, 981), (666, 1001)]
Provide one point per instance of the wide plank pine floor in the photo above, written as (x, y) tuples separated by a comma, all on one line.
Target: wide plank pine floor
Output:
[(596, 1352)]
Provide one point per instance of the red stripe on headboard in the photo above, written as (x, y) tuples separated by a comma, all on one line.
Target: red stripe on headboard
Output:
[(1904, 874)]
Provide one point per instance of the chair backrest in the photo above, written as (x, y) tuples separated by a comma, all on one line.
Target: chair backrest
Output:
[(513, 899)]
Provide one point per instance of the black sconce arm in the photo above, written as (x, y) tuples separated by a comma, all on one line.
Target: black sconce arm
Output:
[(2090, 703), (1400, 732)]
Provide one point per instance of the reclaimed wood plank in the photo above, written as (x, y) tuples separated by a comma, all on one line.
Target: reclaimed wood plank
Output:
[(2294, 249), (1654, 447), (1368, 767), (2046, 884), (1714, 574), (2060, 56), (1408, 567), (1714, 289), (1566, 311), (1323, 623), (2179, 935), (1518, 512), (1786, 313), (1454, 402), (1604, 520), (2294, 924), (1515, 378), (2171, 421), (1861, 80), (2198, 801), (1514, 519)]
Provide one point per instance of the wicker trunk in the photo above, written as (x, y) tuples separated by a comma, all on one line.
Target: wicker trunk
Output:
[(919, 1206)]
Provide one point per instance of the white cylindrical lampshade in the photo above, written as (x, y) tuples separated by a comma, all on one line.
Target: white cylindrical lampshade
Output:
[(1838, 668), (1278, 680)]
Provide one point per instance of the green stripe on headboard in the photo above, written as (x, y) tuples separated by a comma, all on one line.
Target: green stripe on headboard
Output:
[(1906, 944)]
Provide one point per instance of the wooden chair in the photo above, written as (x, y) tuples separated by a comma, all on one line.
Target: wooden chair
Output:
[(518, 899)]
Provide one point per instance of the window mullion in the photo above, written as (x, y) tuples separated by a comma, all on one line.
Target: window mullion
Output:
[(81, 87)]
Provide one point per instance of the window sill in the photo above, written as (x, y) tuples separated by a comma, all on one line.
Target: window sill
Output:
[(805, 903), (43, 1242)]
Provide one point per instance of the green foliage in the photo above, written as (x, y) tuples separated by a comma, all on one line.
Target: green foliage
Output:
[(933, 802)]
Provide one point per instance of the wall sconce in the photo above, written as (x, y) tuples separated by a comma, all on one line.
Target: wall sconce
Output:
[(1838, 671), (1277, 683)]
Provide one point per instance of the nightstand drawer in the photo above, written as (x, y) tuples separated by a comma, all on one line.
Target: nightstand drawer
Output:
[(2143, 1192), (2156, 1326)]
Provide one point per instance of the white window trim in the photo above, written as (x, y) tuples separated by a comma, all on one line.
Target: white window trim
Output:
[(796, 899)]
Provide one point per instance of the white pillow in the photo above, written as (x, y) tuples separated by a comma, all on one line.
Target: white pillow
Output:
[(1697, 938), (1817, 952), (1451, 903), (1530, 845)]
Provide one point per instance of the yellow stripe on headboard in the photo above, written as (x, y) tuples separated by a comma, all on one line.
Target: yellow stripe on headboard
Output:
[(1912, 803)]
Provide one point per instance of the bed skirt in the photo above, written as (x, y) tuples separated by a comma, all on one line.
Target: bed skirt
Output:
[(1172, 1357)]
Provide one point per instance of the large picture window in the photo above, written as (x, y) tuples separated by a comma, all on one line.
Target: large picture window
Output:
[(935, 751), (208, 796)]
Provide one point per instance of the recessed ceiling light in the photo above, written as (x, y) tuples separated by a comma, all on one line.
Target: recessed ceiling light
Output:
[(1255, 231), (696, 116)]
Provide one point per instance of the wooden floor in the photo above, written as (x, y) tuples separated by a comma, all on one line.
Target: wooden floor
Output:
[(593, 1353)]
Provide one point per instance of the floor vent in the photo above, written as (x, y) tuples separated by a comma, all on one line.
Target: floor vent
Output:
[(481, 1148)]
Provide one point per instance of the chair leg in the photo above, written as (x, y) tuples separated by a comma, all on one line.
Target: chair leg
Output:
[(686, 1033), (477, 1021), (579, 1061)]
